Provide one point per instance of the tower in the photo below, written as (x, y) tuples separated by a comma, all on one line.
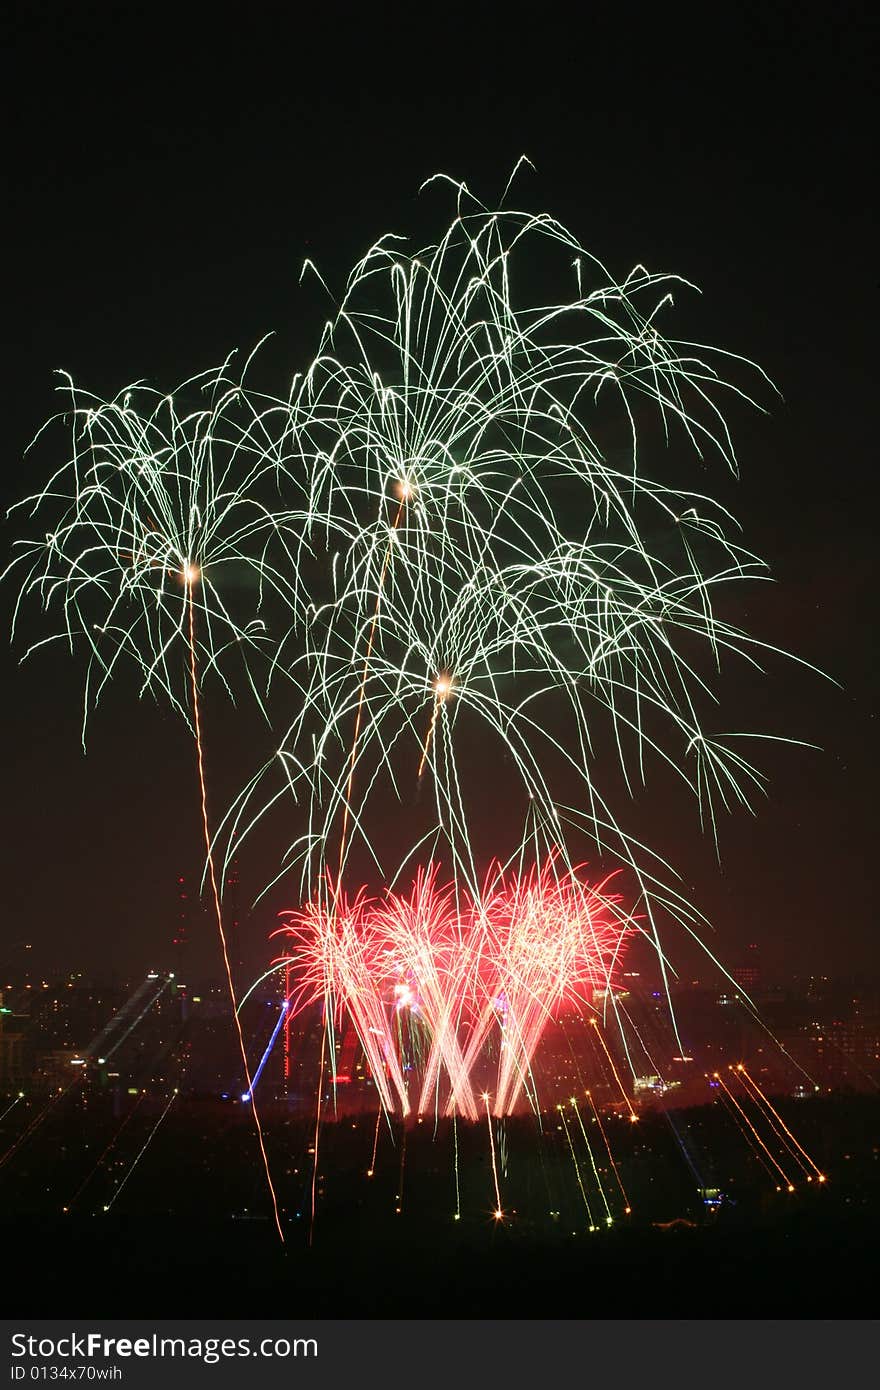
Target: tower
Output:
[(184, 922), (748, 972), (231, 917)]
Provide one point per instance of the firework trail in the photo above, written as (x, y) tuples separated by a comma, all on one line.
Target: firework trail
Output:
[(339, 955), (684, 1146), (778, 1125), (608, 1217), (433, 971), (755, 1148), (12, 1105), (147, 1142), (372, 1168), (112, 1144), (498, 1212), (215, 899), (398, 1196), (315, 1141), (404, 494), (627, 1209), (749, 1129), (106, 1053), (577, 1169), (455, 1165), (32, 1127), (597, 1032)]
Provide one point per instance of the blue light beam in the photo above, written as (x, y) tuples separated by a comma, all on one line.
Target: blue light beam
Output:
[(265, 1057)]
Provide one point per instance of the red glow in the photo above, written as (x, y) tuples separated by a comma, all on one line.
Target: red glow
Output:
[(498, 963)]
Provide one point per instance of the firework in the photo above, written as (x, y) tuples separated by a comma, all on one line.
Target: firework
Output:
[(432, 960), (494, 971), (492, 560), (167, 506), (559, 942), (160, 512), (450, 531), (339, 955)]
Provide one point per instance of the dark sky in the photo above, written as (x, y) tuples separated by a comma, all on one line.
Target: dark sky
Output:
[(165, 178)]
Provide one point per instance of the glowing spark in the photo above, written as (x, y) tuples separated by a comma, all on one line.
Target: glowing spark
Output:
[(441, 691)]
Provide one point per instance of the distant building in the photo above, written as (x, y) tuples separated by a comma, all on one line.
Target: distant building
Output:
[(846, 1052), (55, 1068), (748, 972), (12, 1064)]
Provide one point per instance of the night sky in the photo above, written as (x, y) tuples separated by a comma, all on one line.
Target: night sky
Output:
[(166, 178)]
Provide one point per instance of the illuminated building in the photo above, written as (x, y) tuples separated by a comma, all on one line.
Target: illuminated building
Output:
[(748, 972)]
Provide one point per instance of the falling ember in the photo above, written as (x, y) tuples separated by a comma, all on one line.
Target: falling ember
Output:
[(750, 1129), (798, 1153), (218, 911), (627, 1209), (577, 1168), (598, 1032), (608, 1217)]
